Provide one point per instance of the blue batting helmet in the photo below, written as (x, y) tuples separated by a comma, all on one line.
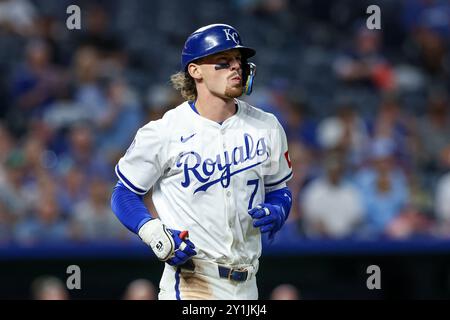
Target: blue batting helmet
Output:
[(216, 38), (212, 39)]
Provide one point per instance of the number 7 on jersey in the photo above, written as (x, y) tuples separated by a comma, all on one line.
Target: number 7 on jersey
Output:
[(254, 182)]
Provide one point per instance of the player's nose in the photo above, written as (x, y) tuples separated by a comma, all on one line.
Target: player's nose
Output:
[(235, 64)]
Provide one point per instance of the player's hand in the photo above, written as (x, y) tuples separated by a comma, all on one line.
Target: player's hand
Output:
[(269, 218), (184, 248), (166, 243)]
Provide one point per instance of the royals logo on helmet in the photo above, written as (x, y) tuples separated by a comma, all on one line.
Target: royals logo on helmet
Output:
[(232, 36)]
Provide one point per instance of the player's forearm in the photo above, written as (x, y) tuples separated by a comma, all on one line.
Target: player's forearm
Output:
[(281, 197), (129, 208)]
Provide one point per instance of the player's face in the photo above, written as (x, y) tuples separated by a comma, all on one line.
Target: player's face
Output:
[(222, 73)]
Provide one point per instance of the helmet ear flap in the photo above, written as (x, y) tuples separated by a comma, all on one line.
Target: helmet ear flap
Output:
[(248, 75)]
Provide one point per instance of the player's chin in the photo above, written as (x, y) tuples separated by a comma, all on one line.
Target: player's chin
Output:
[(233, 91)]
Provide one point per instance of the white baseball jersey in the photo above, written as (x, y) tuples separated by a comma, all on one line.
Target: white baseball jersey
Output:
[(206, 176)]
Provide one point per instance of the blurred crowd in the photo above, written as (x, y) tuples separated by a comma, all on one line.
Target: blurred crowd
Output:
[(366, 112), (48, 287)]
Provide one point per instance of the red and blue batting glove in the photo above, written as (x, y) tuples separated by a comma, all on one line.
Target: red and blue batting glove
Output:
[(169, 245), (184, 248)]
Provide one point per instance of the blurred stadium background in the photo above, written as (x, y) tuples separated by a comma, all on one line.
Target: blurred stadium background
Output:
[(366, 113)]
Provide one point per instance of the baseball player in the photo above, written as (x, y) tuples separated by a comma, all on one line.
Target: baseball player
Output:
[(218, 168)]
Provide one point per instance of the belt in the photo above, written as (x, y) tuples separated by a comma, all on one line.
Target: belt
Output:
[(233, 274), (239, 274)]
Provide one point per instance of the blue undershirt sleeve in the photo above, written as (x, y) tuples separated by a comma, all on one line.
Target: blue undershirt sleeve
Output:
[(129, 208)]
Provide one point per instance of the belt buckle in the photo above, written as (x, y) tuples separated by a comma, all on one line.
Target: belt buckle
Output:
[(230, 272), (240, 270), (245, 270)]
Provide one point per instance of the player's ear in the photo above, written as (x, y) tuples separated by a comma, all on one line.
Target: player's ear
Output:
[(195, 71)]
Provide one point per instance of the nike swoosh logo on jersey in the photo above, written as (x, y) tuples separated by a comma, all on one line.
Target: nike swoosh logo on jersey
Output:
[(183, 140)]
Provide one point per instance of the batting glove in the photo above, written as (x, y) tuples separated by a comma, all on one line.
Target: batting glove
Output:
[(166, 243), (268, 217)]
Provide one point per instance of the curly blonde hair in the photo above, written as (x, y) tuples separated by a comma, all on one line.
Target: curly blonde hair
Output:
[(184, 83)]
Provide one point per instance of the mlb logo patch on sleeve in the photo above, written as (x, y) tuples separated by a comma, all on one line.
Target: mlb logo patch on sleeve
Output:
[(286, 155)]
